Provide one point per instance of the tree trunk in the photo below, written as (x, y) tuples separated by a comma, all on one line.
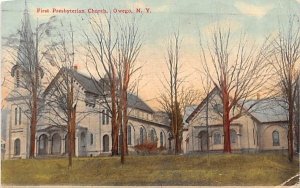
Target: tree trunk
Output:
[(70, 143), (125, 122), (226, 123), (290, 130), (33, 121), (33, 130), (114, 121)]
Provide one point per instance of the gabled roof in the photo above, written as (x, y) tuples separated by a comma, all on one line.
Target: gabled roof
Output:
[(91, 86), (135, 102), (268, 110), (187, 112), (198, 108), (264, 110)]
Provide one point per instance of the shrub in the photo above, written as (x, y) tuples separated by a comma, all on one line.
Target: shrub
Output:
[(146, 148)]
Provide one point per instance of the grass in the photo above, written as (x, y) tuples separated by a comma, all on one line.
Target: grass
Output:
[(220, 169)]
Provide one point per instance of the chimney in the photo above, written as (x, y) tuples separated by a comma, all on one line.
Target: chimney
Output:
[(258, 96)]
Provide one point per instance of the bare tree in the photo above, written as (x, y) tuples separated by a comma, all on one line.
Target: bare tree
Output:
[(285, 53), (239, 74), (63, 94), (113, 46), (176, 97), (28, 70)]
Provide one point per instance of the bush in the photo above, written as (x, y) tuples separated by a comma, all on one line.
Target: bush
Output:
[(146, 148)]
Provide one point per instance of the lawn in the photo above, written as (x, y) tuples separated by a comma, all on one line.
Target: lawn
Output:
[(218, 169)]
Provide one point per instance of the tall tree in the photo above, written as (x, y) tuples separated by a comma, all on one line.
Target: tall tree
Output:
[(113, 46), (285, 53), (176, 97), (62, 95), (237, 69)]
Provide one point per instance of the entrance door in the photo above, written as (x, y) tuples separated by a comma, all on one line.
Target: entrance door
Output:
[(56, 144), (203, 141), (43, 144)]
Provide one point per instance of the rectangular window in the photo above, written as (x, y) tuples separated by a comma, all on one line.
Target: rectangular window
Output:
[(20, 116), (103, 117), (92, 139), (253, 137), (107, 117), (16, 116)]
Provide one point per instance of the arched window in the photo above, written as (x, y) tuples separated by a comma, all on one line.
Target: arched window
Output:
[(129, 135), (16, 116), (17, 146), (142, 135), (161, 139), (153, 135), (105, 143), (233, 136), (217, 138), (92, 139), (275, 136), (56, 140), (20, 116), (43, 144)]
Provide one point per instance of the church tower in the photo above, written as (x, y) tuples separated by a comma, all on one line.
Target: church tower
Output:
[(27, 75)]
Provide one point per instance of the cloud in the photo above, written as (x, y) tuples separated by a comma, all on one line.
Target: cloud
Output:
[(253, 10)]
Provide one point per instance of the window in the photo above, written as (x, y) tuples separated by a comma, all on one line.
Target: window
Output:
[(90, 99), (253, 136), (105, 117), (233, 136), (161, 139), (105, 143), (16, 116), (43, 144), (153, 135), (142, 135), (217, 138), (92, 139), (275, 136), (218, 108), (129, 135), (17, 147), (20, 116), (66, 143), (82, 139)]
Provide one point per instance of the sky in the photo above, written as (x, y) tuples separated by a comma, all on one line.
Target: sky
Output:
[(257, 18)]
